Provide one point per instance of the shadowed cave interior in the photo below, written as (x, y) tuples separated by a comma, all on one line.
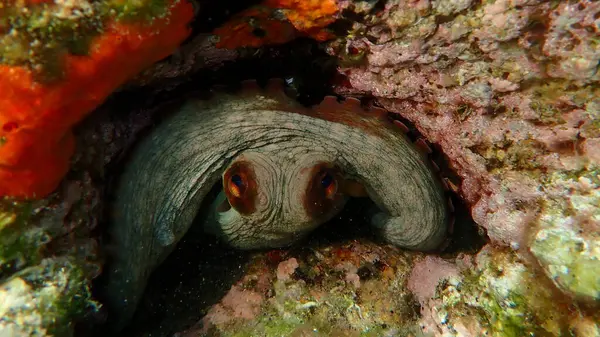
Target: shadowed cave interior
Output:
[(201, 270)]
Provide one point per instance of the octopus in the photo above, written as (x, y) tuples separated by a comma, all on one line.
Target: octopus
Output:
[(284, 168)]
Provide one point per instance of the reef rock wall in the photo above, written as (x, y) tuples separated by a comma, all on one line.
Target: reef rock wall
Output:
[(507, 90)]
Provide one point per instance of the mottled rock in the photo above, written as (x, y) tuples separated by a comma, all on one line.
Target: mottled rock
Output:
[(319, 299), (43, 300), (500, 296), (509, 92), (567, 238)]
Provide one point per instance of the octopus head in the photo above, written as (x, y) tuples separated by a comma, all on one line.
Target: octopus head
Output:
[(271, 200)]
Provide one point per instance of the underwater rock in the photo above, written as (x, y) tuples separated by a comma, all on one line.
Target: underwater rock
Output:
[(44, 300), (47, 260), (567, 239), (498, 294), (493, 293), (508, 90), (48, 252), (318, 299), (199, 53)]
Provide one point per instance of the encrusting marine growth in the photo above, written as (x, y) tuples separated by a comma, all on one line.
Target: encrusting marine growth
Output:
[(285, 170), (48, 85)]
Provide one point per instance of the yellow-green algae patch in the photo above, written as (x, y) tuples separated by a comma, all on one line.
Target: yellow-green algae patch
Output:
[(20, 243), (44, 300), (39, 296), (567, 237), (502, 296)]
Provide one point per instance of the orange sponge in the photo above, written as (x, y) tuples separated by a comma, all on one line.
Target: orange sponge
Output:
[(36, 142), (261, 24)]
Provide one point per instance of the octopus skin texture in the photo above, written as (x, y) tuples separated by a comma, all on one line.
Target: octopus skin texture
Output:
[(285, 169)]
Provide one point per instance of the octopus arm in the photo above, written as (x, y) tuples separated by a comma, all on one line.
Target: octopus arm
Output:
[(412, 206), (159, 193), (172, 170)]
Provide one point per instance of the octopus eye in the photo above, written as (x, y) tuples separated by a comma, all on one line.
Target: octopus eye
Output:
[(237, 185), (322, 193), (329, 184)]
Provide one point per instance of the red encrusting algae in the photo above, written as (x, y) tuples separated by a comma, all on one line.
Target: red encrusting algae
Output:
[(36, 142), (308, 16), (260, 25)]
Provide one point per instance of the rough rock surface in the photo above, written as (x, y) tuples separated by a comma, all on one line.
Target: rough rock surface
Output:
[(49, 250), (509, 91), (44, 268), (338, 290), (359, 288)]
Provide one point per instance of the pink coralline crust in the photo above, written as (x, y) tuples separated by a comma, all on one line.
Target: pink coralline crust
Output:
[(498, 197), (489, 86), (426, 274), (390, 55), (574, 38), (286, 268), (502, 21), (424, 278), (501, 85), (353, 279), (592, 148), (245, 304), (351, 272), (237, 304)]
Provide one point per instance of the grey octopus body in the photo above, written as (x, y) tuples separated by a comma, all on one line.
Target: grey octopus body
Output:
[(285, 170)]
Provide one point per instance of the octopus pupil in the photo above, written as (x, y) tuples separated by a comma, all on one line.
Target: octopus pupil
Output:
[(237, 181), (327, 180)]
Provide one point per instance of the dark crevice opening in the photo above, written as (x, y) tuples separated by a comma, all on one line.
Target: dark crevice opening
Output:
[(194, 277), (201, 265)]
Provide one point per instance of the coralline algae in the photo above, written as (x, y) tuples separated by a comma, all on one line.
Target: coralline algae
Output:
[(509, 91), (362, 289)]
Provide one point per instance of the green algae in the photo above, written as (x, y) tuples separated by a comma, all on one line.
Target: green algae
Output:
[(550, 112), (519, 156), (20, 243), (463, 112), (136, 10), (569, 254), (547, 113), (592, 129), (41, 296), (44, 300), (503, 297), (55, 290)]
